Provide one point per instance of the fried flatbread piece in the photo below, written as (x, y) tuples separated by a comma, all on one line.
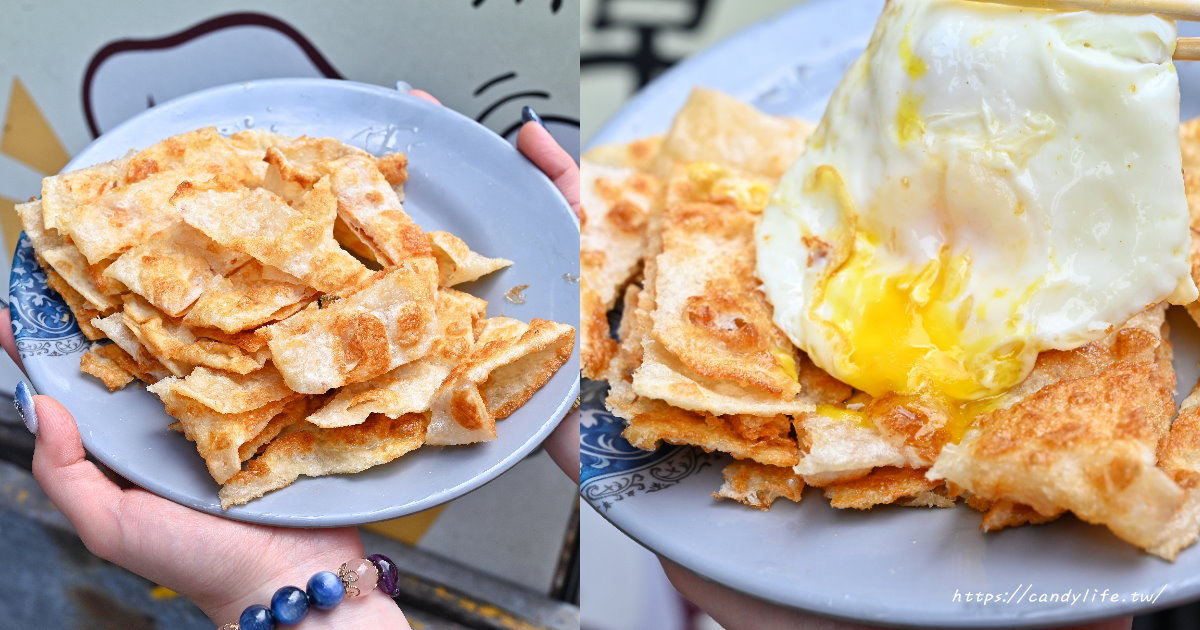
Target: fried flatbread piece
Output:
[(709, 311), (174, 268), (758, 485), (663, 376), (388, 321), (371, 209), (910, 431), (83, 312), (457, 263), (218, 436), (639, 154), (394, 167), (113, 326), (889, 485), (766, 440), (249, 297), (998, 515), (105, 368), (1179, 456), (715, 127), (294, 166), (180, 348), (1085, 444), (313, 452), (204, 152), (845, 444), (149, 371), (227, 392), (298, 241), (123, 217), (410, 388), (61, 256), (63, 192), (510, 361), (615, 208)]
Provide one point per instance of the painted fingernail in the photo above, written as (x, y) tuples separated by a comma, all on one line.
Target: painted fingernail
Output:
[(403, 86), (23, 401), (528, 115), (3, 303)]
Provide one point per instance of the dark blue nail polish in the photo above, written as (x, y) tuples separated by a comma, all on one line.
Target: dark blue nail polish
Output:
[(528, 115), (23, 401), (3, 303)]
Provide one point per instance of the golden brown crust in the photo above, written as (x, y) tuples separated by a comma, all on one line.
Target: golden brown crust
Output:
[(214, 260), (764, 440), (884, 486), (105, 368), (616, 205), (313, 452), (758, 485)]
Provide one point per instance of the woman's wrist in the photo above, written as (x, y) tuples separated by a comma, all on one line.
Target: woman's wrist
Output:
[(373, 605)]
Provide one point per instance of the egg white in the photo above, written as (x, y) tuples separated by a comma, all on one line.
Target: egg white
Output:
[(987, 183)]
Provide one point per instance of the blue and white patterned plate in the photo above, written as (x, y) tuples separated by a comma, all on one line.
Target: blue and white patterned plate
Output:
[(899, 566), (462, 178)]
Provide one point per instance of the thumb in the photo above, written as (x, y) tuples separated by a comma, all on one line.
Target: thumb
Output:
[(85, 496)]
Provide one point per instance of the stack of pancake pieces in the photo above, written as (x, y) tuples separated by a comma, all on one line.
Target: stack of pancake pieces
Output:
[(668, 236), (288, 312)]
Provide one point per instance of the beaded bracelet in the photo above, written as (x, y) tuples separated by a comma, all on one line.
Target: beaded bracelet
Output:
[(325, 590)]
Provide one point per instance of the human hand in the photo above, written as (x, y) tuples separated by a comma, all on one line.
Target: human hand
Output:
[(221, 565), (734, 611)]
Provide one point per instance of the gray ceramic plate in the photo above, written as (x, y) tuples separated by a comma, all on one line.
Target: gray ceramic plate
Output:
[(901, 566), (462, 178)]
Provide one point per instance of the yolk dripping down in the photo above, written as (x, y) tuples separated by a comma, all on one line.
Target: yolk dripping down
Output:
[(901, 331)]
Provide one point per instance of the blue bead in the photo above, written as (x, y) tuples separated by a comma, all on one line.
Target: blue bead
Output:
[(325, 590), (256, 617), (289, 605)]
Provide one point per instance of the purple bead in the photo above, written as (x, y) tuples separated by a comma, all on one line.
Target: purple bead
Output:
[(389, 575)]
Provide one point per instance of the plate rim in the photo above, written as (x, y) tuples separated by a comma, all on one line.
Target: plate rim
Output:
[(561, 408)]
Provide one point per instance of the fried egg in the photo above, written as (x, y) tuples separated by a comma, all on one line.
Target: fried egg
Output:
[(987, 183)]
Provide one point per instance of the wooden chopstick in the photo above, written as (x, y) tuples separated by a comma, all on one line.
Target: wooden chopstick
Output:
[(1186, 48), (1188, 10)]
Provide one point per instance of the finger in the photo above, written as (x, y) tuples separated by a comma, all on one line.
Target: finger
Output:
[(540, 147), (6, 338), (80, 491), (422, 94)]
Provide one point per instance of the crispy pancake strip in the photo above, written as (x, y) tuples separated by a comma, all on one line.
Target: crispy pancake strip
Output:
[(298, 241), (708, 310), (411, 387), (389, 321), (715, 127), (903, 486), (457, 263), (219, 436), (1085, 444), (249, 297), (61, 256), (616, 203), (100, 364), (511, 361), (314, 452), (758, 485), (369, 206)]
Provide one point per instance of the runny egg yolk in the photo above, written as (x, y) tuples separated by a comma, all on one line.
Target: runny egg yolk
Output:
[(901, 330)]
